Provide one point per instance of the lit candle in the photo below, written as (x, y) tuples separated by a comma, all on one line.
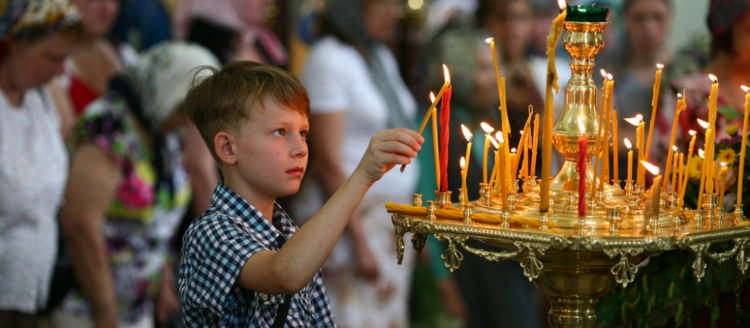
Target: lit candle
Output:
[(523, 156), (630, 159), (655, 187), (654, 107), (615, 154), (701, 153), (675, 157), (683, 186), (431, 114), (534, 144), (468, 135), (708, 163), (581, 168), (681, 105), (505, 123), (488, 129), (741, 170), (464, 168), (722, 184), (637, 121), (435, 145), (549, 105), (503, 162), (606, 111), (678, 171), (445, 110)]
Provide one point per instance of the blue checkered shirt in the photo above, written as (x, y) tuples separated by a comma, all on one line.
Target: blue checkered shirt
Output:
[(216, 247)]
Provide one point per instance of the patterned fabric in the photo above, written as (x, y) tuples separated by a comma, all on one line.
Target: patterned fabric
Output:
[(144, 213), (30, 18), (216, 247)]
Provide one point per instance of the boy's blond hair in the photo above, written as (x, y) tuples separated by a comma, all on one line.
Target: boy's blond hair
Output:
[(223, 100)]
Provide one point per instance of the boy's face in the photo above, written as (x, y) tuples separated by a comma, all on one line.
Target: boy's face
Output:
[(272, 150)]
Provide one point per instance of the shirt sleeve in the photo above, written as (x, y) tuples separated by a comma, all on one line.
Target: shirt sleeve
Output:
[(215, 251), (322, 77)]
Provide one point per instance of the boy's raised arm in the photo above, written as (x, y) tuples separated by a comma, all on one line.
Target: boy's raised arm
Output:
[(294, 265)]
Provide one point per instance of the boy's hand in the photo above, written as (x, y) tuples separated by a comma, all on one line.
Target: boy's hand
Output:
[(387, 149)]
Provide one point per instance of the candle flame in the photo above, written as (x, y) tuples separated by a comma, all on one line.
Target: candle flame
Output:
[(609, 76), (627, 143), (679, 95), (675, 148), (713, 78), (499, 136), (703, 123), (635, 120), (513, 150), (692, 132), (462, 163), (562, 4), (432, 97), (745, 88), (659, 65), (701, 153), (486, 127), (489, 40), (650, 167), (494, 142), (446, 74), (723, 166), (467, 133), (603, 72)]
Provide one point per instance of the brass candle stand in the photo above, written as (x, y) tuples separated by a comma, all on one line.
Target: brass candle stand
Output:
[(575, 260)]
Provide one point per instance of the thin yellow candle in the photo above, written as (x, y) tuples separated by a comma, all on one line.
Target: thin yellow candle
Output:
[(721, 182), (605, 114), (637, 121), (488, 129), (681, 105), (468, 135), (435, 149), (514, 159), (534, 143), (675, 156), (523, 155), (655, 187), (677, 171), (464, 169), (630, 159), (505, 123), (701, 153), (615, 154), (708, 162), (741, 170), (712, 100), (654, 107), (683, 186), (549, 105)]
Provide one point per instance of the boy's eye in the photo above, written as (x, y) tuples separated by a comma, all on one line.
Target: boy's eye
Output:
[(279, 132), (304, 134)]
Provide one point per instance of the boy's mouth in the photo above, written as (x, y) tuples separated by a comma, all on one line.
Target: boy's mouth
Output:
[(296, 172)]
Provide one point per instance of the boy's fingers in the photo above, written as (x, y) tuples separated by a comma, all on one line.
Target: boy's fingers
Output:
[(403, 135), (397, 148)]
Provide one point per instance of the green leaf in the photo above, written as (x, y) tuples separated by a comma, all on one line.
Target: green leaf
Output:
[(729, 112)]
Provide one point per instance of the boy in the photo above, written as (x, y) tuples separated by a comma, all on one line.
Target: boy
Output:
[(244, 254)]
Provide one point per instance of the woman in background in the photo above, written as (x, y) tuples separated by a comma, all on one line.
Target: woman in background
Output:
[(36, 37), (356, 89)]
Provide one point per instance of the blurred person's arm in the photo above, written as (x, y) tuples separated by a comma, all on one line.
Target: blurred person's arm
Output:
[(326, 137), (201, 168), (63, 106), (92, 183)]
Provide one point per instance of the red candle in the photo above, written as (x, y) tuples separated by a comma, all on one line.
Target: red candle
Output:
[(581, 169), (445, 112)]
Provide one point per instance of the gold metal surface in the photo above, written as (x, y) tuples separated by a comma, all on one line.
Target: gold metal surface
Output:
[(575, 260)]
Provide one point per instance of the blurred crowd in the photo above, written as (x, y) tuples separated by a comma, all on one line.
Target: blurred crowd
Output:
[(100, 171)]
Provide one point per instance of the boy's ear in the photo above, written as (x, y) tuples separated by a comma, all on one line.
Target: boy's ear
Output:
[(225, 147)]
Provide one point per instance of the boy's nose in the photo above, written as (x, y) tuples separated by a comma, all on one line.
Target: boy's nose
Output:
[(299, 148)]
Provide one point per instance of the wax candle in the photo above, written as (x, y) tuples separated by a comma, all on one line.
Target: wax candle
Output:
[(615, 154), (468, 135), (722, 183), (435, 146), (741, 170), (637, 121), (701, 153), (606, 110), (655, 187), (445, 110), (488, 129), (654, 107), (630, 160), (549, 105), (679, 107), (677, 175), (711, 132), (503, 164), (430, 115), (464, 169), (675, 156), (500, 81), (581, 168), (683, 186), (708, 162), (534, 143)]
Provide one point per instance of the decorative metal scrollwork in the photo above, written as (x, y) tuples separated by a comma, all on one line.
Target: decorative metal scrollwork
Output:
[(699, 264), (624, 271), (743, 260), (531, 264), (418, 240), (452, 257), (399, 230)]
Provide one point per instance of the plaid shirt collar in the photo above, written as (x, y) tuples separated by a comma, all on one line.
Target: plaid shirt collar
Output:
[(228, 202)]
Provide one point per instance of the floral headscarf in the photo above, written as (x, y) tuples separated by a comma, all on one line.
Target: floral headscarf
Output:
[(31, 18)]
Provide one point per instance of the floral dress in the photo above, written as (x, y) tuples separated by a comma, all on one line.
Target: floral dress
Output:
[(147, 205)]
